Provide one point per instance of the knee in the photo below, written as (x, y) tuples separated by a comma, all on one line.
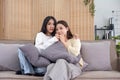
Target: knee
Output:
[(61, 60), (20, 53)]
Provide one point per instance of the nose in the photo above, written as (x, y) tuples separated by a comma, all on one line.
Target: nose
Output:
[(52, 25)]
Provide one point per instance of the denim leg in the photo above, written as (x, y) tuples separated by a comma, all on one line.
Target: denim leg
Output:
[(24, 63), (40, 70)]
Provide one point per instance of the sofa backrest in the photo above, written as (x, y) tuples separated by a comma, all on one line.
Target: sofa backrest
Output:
[(113, 55), (8, 54), (16, 41)]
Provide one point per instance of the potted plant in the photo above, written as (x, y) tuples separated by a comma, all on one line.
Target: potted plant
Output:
[(117, 45), (118, 49), (96, 37)]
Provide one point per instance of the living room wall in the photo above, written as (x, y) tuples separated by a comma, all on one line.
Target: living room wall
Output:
[(103, 13), (22, 19), (1, 19)]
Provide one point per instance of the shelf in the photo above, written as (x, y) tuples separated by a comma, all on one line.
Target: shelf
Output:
[(106, 35)]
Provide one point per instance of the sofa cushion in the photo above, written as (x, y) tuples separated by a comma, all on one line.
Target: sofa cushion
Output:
[(97, 55), (10, 75), (99, 75), (32, 54), (9, 57), (89, 75), (113, 56)]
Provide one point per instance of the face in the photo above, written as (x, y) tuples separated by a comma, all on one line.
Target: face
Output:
[(50, 26), (61, 29)]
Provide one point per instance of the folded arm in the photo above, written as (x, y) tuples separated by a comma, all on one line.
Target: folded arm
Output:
[(41, 44)]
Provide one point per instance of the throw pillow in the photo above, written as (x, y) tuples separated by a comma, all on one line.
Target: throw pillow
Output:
[(58, 51), (9, 57), (32, 54), (97, 55)]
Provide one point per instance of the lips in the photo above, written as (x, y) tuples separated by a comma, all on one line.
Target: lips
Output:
[(51, 29)]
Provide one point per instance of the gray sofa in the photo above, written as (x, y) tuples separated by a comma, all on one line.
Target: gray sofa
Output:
[(9, 62)]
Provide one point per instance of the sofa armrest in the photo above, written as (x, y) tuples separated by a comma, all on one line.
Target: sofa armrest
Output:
[(118, 63)]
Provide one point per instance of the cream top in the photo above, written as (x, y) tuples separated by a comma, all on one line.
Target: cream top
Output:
[(73, 47)]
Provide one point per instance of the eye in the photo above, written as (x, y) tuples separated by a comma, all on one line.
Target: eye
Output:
[(61, 28), (49, 23)]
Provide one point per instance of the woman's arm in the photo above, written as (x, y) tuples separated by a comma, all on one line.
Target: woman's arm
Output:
[(40, 43), (74, 46)]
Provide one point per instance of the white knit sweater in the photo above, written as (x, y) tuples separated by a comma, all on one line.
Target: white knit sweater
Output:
[(43, 41)]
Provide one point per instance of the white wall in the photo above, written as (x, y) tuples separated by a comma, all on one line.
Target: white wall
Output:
[(103, 11)]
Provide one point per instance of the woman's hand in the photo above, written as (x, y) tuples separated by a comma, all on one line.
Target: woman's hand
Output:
[(76, 36), (63, 38), (57, 36)]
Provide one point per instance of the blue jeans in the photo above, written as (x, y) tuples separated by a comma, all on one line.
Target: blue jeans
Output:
[(26, 66)]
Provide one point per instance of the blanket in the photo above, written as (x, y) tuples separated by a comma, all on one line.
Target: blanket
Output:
[(51, 54)]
